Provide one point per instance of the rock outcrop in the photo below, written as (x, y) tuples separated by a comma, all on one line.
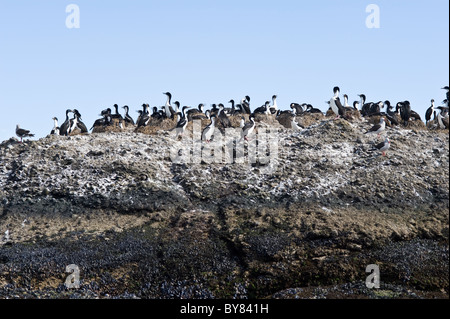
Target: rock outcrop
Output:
[(297, 214)]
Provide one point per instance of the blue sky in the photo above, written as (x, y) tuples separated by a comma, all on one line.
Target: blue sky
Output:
[(129, 52)]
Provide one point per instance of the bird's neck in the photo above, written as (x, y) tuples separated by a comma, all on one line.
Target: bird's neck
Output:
[(363, 100)]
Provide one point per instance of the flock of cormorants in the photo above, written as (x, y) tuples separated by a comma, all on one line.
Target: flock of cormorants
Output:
[(220, 114)]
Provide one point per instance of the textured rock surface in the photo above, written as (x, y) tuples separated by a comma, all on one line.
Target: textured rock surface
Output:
[(144, 217)]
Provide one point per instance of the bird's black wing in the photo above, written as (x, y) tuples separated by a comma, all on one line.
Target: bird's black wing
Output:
[(374, 128)]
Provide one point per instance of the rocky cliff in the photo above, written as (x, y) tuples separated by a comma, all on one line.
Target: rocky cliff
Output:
[(299, 214)]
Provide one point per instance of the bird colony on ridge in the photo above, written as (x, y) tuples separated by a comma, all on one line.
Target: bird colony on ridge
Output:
[(219, 116)]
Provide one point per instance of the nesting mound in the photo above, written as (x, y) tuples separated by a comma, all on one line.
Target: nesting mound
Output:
[(353, 115), (433, 125), (265, 118), (285, 119), (373, 120), (416, 125), (308, 119), (156, 125), (412, 124), (114, 127)]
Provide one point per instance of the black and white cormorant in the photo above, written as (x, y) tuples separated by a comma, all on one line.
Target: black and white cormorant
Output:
[(405, 112), (73, 124), (144, 118), (214, 110), (236, 108), (55, 130), (375, 108), (233, 107), (264, 109), (105, 120), (285, 113), (116, 115), (390, 115), (128, 119), (177, 108), (80, 125), (182, 122), (245, 103), (347, 106), (157, 114), (248, 128), (170, 113), (65, 126), (429, 113), (208, 131), (311, 109), (365, 107), (223, 117), (274, 107), (346, 101), (389, 108), (22, 133), (297, 108), (197, 113), (336, 105), (141, 112)]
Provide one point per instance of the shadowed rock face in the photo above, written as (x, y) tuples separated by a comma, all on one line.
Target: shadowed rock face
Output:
[(141, 223)]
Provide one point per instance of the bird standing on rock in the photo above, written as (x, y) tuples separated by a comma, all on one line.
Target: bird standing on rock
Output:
[(378, 128), (80, 125), (248, 128), (297, 109), (223, 117), (128, 119), (208, 132), (117, 114), (336, 104), (55, 130), (22, 133), (405, 112), (182, 122), (429, 112), (384, 146), (63, 130)]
